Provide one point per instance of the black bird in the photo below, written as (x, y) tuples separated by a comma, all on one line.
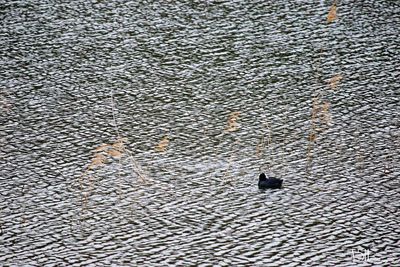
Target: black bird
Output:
[(271, 182)]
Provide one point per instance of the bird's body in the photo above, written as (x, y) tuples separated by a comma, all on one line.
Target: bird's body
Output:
[(270, 182)]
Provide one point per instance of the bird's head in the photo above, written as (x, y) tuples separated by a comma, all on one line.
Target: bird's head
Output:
[(263, 177)]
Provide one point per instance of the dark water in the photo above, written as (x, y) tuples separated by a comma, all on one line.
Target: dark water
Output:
[(179, 70)]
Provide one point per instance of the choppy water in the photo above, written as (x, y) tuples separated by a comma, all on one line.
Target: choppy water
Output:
[(179, 69)]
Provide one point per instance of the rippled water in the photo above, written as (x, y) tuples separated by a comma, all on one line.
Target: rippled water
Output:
[(179, 70)]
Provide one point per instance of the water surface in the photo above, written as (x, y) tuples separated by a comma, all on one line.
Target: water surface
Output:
[(180, 70)]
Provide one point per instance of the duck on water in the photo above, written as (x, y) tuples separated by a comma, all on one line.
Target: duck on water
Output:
[(270, 182)]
